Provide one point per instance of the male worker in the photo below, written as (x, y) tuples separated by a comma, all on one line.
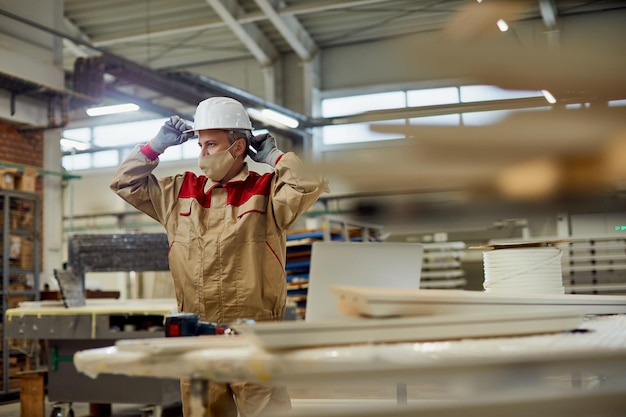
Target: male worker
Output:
[(226, 228)]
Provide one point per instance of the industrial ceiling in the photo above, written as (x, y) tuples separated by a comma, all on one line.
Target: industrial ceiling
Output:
[(159, 52)]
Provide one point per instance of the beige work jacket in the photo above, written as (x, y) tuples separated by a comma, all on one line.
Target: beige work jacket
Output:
[(228, 243)]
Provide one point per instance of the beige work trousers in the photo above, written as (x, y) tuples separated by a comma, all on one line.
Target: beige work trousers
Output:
[(250, 400)]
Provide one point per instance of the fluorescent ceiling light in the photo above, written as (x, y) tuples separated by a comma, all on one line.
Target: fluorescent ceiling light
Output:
[(549, 97), (76, 144), (274, 118), (118, 108), (280, 118), (502, 25)]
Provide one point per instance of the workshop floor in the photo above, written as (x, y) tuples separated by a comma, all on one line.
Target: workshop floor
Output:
[(83, 410), (331, 396), (119, 410)]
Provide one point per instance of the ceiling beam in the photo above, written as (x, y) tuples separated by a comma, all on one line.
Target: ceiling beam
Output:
[(72, 47), (140, 34), (248, 33), (291, 29), (548, 13)]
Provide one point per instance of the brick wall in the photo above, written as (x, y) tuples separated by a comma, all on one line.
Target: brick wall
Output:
[(21, 149)]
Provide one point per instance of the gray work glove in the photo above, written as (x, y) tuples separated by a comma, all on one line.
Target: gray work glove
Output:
[(266, 150), (170, 134)]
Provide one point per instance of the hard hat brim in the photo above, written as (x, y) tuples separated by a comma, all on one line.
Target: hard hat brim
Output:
[(218, 128)]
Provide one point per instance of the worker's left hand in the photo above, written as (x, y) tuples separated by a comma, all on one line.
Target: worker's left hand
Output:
[(266, 150), (170, 134)]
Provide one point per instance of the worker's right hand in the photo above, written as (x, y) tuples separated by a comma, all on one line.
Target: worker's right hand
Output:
[(265, 150), (170, 134)]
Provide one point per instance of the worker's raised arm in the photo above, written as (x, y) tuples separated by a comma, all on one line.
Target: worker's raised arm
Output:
[(134, 181), (295, 189)]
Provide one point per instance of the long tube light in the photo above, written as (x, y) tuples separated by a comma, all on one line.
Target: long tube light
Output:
[(549, 97), (76, 144), (280, 118), (502, 25), (273, 117), (117, 108)]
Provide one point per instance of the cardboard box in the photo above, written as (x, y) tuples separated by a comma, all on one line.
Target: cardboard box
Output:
[(7, 178), (27, 181)]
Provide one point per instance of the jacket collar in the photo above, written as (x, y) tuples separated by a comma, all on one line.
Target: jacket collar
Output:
[(241, 176)]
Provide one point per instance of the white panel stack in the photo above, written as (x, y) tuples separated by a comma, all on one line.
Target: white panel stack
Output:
[(441, 267)]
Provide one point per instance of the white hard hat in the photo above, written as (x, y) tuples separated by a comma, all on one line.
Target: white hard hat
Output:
[(221, 113)]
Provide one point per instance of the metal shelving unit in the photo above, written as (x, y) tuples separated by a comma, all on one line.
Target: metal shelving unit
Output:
[(442, 267), (595, 265), (19, 237)]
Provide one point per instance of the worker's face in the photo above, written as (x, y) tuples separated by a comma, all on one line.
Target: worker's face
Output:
[(212, 140)]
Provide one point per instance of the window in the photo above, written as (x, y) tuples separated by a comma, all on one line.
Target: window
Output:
[(361, 132), (433, 96), (104, 159), (126, 133), (75, 139), (76, 162), (472, 93), (358, 132), (443, 120), (123, 136), (343, 106)]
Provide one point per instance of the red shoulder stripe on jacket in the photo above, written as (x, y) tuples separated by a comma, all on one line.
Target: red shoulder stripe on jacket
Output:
[(193, 187), (241, 191), (238, 191)]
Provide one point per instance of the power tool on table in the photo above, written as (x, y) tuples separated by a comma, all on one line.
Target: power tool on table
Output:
[(189, 324)]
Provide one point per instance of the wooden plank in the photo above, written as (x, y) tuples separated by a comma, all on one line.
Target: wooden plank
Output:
[(32, 394)]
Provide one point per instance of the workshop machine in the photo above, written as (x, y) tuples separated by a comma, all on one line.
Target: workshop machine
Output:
[(75, 323)]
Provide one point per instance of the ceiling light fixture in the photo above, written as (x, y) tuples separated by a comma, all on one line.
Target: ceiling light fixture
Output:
[(274, 118), (502, 25), (117, 108), (549, 97), (280, 118), (74, 144)]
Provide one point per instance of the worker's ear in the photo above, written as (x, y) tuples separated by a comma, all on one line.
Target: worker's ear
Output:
[(240, 147)]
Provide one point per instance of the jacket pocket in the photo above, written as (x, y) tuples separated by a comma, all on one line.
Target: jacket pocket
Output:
[(184, 221)]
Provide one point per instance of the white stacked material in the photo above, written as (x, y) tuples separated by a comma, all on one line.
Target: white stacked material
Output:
[(599, 345), (388, 302), (523, 271)]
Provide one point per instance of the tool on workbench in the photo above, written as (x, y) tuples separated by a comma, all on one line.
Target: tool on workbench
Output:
[(189, 324)]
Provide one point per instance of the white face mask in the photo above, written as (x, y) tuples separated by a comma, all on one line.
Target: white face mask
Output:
[(217, 165)]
